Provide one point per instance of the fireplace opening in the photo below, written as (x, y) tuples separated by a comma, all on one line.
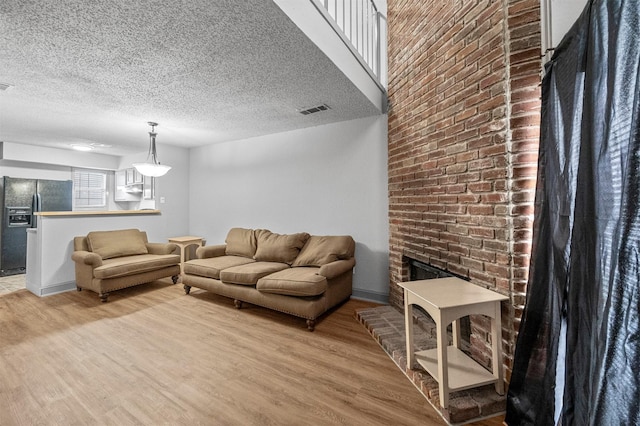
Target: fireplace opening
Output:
[(422, 271)]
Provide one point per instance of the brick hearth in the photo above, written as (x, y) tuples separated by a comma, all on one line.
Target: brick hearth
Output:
[(386, 326)]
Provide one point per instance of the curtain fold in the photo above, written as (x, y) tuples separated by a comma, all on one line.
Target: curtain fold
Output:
[(585, 265)]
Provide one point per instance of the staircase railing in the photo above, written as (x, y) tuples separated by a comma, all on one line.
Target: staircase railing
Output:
[(363, 29)]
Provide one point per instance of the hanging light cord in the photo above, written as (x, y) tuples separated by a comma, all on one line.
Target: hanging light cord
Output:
[(152, 146)]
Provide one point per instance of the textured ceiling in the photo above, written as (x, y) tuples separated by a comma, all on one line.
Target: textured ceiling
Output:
[(206, 70)]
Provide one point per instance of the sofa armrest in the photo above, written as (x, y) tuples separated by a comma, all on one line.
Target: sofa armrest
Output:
[(87, 258), (339, 267), (211, 251), (161, 248)]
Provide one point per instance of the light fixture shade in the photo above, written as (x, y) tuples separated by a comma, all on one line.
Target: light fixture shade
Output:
[(152, 168)]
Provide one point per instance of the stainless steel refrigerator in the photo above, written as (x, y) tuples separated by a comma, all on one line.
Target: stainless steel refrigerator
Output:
[(20, 199)]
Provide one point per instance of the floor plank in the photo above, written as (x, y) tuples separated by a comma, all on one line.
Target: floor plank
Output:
[(153, 355)]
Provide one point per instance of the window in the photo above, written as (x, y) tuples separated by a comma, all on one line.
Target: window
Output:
[(89, 189)]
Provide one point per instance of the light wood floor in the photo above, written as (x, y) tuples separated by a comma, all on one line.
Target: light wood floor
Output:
[(153, 355)]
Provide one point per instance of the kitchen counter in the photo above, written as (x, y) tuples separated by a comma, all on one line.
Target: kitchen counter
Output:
[(50, 269), (99, 213)]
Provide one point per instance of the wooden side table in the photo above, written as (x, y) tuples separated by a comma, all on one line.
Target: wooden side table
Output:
[(183, 243), (446, 300)]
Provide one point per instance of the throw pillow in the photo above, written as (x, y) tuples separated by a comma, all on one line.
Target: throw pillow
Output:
[(320, 250), (110, 244), (241, 242), (283, 248)]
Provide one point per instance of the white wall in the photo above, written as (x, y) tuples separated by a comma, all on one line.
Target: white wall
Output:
[(325, 180), (556, 18), (27, 170), (55, 156)]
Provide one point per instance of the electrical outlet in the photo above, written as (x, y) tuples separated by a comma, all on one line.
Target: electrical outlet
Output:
[(161, 200)]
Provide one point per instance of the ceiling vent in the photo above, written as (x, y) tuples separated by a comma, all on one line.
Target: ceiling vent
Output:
[(314, 109)]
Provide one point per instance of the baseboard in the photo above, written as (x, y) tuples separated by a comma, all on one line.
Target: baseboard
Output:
[(370, 296), (55, 289)]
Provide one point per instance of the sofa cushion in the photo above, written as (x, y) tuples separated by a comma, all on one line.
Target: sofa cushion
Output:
[(320, 250), (212, 266), (283, 248), (110, 244), (250, 273), (241, 242), (294, 282), (122, 266)]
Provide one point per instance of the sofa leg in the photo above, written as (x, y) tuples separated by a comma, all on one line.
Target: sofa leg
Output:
[(175, 278), (78, 288), (237, 303), (187, 289), (103, 297), (311, 324)]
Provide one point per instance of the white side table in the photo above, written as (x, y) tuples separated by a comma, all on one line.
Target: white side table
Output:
[(446, 300), (183, 243)]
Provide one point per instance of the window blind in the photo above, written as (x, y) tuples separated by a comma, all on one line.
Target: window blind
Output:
[(89, 189)]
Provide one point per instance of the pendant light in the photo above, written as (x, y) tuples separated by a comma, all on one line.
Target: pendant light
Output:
[(152, 168)]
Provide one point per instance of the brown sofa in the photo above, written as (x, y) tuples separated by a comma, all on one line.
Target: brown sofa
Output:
[(299, 274), (112, 260)]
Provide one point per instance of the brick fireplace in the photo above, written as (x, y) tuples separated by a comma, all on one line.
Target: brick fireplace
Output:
[(464, 116)]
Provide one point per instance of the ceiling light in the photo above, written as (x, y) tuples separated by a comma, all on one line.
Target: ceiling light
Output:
[(81, 147), (152, 168)]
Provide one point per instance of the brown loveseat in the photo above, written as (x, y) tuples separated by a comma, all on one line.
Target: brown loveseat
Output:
[(299, 274), (112, 260)]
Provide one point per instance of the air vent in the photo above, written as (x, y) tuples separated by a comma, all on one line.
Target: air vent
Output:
[(314, 109)]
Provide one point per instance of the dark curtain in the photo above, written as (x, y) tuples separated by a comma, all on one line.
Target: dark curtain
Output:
[(585, 264)]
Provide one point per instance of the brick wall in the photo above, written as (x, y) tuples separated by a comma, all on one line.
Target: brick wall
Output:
[(464, 117)]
